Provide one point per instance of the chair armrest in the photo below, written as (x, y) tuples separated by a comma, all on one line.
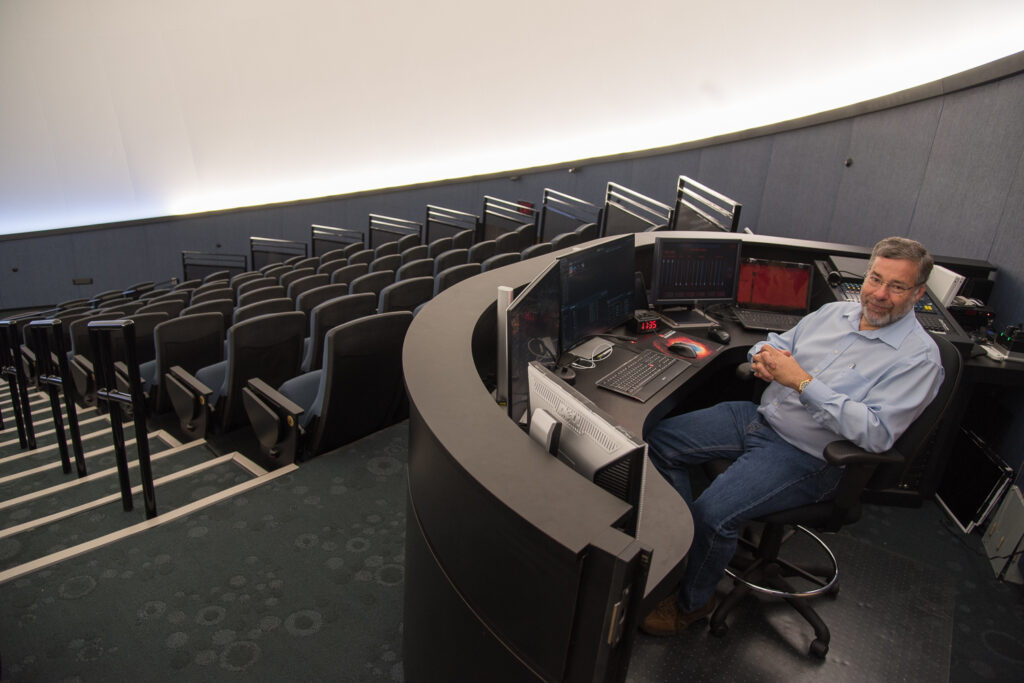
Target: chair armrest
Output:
[(195, 386), (272, 395), (83, 363), (843, 453)]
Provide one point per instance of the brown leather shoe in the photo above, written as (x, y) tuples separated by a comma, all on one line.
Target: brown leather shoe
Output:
[(667, 620)]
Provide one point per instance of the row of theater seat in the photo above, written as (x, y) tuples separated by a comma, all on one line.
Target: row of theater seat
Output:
[(211, 330)]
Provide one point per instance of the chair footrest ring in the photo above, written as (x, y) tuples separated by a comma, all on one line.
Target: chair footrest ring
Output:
[(794, 594)]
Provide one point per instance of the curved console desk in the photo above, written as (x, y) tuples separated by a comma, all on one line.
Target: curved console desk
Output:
[(513, 568)]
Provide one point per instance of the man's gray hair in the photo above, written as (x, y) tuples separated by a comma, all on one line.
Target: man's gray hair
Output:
[(907, 249)]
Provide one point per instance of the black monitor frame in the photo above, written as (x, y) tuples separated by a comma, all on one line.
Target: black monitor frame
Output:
[(389, 229), (627, 211), (663, 294), (333, 238), (441, 222), (533, 330), (597, 289), (561, 213)]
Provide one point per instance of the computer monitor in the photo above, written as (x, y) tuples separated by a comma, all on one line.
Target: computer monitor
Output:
[(587, 440), (597, 289), (694, 272), (532, 327)]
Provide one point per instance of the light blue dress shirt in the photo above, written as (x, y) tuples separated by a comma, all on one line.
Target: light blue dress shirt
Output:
[(868, 386)]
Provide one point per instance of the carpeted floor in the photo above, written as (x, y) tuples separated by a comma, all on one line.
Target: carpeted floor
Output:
[(302, 579)]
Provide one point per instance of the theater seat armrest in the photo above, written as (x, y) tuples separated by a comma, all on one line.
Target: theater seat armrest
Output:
[(843, 453), (272, 395), (185, 377), (83, 362)]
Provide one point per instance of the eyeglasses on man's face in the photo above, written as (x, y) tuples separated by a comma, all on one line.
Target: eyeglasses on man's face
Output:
[(895, 288)]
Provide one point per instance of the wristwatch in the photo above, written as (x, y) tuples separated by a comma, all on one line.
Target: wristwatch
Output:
[(803, 385)]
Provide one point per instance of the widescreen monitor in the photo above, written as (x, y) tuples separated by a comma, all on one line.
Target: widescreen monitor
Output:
[(588, 440), (597, 289), (693, 272), (533, 322)]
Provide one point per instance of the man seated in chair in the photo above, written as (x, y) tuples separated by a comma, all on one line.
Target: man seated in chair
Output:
[(856, 371)]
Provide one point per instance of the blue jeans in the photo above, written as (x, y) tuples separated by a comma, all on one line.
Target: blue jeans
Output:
[(767, 475)]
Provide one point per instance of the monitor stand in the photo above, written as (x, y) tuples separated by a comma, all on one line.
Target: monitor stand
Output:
[(682, 318)]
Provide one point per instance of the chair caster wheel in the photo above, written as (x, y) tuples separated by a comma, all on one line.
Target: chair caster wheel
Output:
[(719, 630), (819, 649)]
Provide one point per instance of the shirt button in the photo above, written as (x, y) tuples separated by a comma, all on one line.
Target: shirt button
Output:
[(836, 352)]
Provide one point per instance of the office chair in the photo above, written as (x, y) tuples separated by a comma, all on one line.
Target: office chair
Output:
[(760, 568), (359, 391)]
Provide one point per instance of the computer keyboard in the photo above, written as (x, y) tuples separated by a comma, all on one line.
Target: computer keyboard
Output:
[(753, 319), (643, 375)]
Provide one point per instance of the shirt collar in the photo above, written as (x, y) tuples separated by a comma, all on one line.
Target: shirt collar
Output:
[(892, 334)]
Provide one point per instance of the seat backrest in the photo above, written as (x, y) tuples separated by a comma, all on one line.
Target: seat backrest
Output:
[(499, 260), (240, 279), (217, 276), (332, 256), (481, 251), (279, 305), (268, 347), (588, 231), (304, 284), (312, 298), (291, 276), (372, 282), (361, 256), (417, 268), (193, 341), (225, 307), (450, 276), (262, 294), (463, 239), (415, 253), (308, 262), (332, 313), (386, 261), (144, 325), (253, 283), (507, 242), (183, 295), (406, 295), (920, 434), (407, 241), (171, 307), (201, 295), (439, 246), (452, 257), (348, 273), (527, 235), (538, 249), (566, 239), (386, 249), (362, 389)]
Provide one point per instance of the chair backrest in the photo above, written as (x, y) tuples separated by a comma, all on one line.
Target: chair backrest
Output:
[(538, 249), (262, 294), (291, 276), (200, 295), (361, 256), (225, 307), (527, 235), (193, 341), (329, 267), (415, 253), (308, 262), (417, 268), (588, 231), (332, 313), (463, 239), (566, 239), (386, 249), (268, 347), (172, 307), (144, 325), (407, 241), (253, 283), (406, 295), (499, 260), (362, 388), (372, 282), (279, 305), (507, 243), (348, 273), (333, 255), (481, 251), (438, 246), (184, 296), (450, 276), (312, 298), (386, 262), (304, 284), (918, 436), (240, 279), (217, 276), (452, 257)]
